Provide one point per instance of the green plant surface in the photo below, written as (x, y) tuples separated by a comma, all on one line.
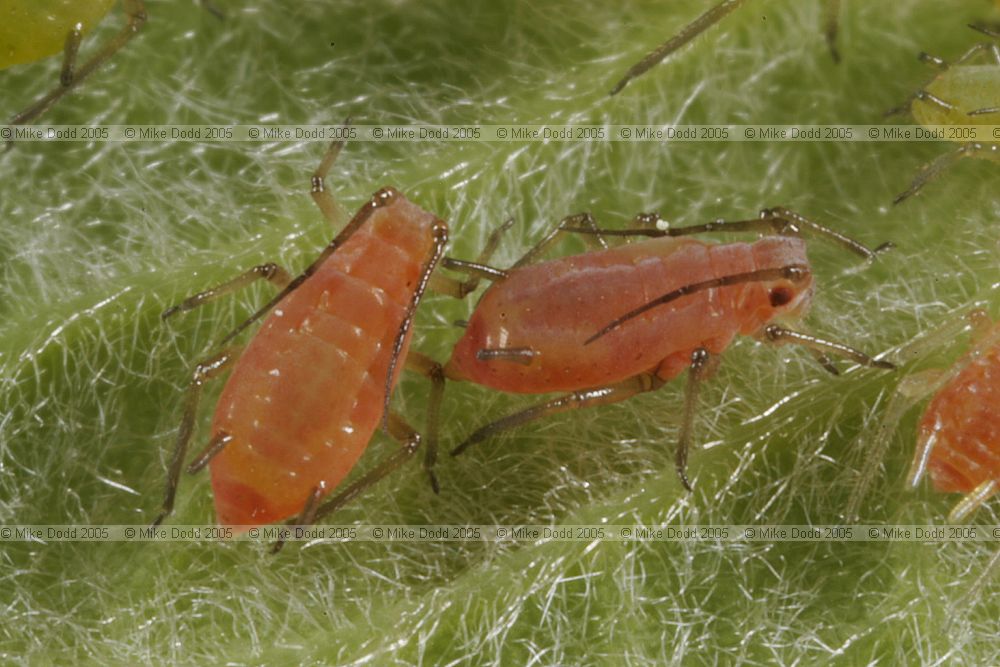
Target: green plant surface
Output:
[(99, 238)]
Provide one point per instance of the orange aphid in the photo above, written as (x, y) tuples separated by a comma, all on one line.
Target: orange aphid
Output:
[(307, 394), (310, 389), (553, 307), (612, 323), (958, 439)]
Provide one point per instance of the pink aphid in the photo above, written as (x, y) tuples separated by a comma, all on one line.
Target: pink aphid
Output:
[(958, 440), (307, 394), (612, 323), (310, 389), (554, 307), (958, 436)]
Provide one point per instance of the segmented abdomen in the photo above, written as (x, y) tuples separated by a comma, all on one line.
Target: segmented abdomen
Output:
[(306, 396), (964, 416)]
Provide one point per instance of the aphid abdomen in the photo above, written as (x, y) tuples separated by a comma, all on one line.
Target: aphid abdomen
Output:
[(964, 419), (34, 30), (306, 396), (966, 88)]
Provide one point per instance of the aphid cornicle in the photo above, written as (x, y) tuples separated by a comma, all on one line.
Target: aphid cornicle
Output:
[(593, 325), (958, 436), (963, 94), (33, 30), (308, 392)]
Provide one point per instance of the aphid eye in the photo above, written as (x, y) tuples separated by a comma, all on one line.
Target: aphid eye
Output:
[(780, 296)]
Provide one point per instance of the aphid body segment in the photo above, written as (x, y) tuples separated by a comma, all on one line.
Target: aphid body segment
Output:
[(307, 394), (963, 94), (553, 307), (958, 437), (35, 29), (959, 433)]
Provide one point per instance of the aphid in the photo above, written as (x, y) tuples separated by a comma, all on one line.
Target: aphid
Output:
[(593, 325), (308, 392), (962, 94), (706, 21), (31, 31), (958, 436)]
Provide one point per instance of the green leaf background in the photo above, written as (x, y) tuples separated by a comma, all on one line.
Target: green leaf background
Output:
[(99, 238)]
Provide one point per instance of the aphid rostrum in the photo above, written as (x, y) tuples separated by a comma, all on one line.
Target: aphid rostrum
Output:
[(612, 323), (312, 386), (958, 436), (961, 95)]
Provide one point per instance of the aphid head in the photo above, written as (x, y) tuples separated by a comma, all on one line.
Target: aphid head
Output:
[(791, 295)]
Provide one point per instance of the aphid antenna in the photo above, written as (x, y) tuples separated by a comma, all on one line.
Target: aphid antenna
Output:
[(793, 272)]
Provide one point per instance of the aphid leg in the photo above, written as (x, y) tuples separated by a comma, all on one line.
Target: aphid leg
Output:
[(271, 272), (976, 589), (982, 328), (212, 9), (910, 391), (568, 224), (435, 373), (70, 49), (971, 502), (70, 76), (306, 517), (205, 370), (613, 393), (778, 334), (702, 366), (409, 440), (831, 29), (777, 220), (984, 111), (324, 200), (480, 270), (477, 270), (440, 233), (312, 511), (687, 33), (936, 167), (457, 289)]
